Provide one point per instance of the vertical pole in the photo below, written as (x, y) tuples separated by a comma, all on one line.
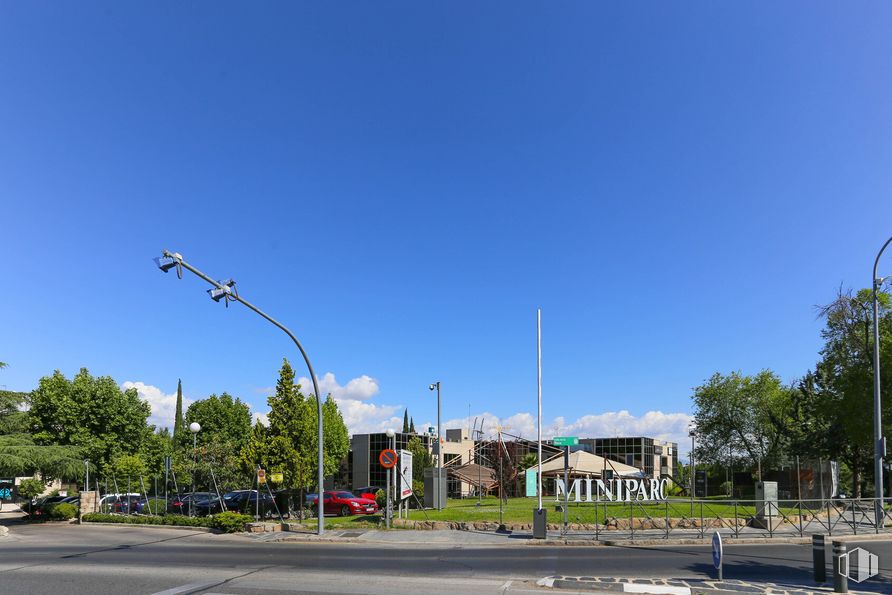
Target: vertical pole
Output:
[(798, 480), (539, 401), (821, 479), (879, 442), (840, 568), (439, 490), (566, 485), (166, 481), (192, 497), (731, 465), (819, 558), (387, 502), (693, 474)]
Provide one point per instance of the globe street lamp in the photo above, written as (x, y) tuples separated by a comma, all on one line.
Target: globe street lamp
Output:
[(225, 290), (438, 490), (879, 440), (195, 428)]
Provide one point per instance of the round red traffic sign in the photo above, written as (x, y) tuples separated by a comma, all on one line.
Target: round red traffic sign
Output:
[(387, 458)]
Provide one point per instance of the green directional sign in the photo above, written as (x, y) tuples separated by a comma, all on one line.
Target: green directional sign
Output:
[(566, 441)]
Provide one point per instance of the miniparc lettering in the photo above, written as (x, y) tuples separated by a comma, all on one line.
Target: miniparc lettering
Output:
[(616, 490)]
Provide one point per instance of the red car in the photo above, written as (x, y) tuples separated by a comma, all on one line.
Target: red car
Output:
[(346, 504)]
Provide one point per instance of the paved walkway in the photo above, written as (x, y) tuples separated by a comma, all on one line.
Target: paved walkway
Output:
[(685, 587)]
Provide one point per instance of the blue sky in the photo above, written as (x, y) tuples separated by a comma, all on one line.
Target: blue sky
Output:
[(676, 186)]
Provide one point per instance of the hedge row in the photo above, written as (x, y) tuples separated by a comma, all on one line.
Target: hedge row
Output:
[(228, 522)]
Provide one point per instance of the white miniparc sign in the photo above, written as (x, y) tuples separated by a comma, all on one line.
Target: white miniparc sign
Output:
[(616, 490)]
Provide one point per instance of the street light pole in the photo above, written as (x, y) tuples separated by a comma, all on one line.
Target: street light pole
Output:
[(438, 492), (174, 259), (195, 428), (879, 440)]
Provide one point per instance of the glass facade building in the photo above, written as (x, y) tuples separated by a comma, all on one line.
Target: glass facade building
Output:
[(655, 457)]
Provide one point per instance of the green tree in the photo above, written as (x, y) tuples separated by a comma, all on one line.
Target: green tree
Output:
[(411, 425), (421, 458), (285, 446), (406, 421), (19, 455), (157, 446), (178, 415), (93, 414), (223, 420), (30, 489), (842, 384), (740, 413), (337, 439)]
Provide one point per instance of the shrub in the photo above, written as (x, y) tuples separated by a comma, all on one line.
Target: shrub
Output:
[(726, 488), (170, 519), (62, 511), (381, 499), (230, 522), (418, 490), (155, 506)]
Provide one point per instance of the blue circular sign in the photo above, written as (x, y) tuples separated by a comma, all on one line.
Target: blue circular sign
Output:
[(716, 549)]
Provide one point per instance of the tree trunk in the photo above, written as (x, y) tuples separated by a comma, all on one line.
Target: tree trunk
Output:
[(856, 476)]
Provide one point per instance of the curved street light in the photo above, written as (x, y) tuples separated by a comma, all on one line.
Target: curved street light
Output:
[(225, 290), (879, 440)]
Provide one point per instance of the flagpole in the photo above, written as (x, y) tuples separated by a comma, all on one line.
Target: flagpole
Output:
[(539, 417)]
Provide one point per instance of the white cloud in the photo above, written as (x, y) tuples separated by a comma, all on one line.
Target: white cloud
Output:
[(163, 404), (361, 388), (263, 418), (353, 399), (653, 424)]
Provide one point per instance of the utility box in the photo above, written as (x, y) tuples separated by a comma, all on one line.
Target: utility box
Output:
[(435, 488), (766, 499), (767, 516), (540, 523)]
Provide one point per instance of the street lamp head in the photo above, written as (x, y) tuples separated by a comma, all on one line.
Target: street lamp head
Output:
[(224, 290), (390, 433), (195, 427), (169, 261), (434, 385)]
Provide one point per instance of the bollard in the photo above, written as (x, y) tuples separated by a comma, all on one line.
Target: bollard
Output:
[(840, 568), (819, 558)]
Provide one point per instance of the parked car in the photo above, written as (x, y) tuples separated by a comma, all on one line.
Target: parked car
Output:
[(187, 502), (343, 503), (204, 506), (107, 502), (289, 500), (369, 492), (250, 502), (127, 504)]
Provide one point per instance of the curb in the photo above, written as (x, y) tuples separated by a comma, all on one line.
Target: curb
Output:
[(147, 526)]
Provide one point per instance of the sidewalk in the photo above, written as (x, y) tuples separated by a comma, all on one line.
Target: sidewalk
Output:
[(518, 538), (685, 587)]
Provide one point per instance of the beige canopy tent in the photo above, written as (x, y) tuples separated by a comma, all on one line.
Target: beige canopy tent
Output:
[(587, 464)]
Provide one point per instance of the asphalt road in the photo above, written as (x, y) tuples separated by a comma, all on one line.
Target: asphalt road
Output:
[(93, 559)]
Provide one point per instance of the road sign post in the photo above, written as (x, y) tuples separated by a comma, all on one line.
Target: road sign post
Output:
[(717, 552), (388, 460)]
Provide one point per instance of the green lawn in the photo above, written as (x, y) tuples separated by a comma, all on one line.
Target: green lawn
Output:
[(520, 510)]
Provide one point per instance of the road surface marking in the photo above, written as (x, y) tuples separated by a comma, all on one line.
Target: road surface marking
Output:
[(656, 589), (190, 588)]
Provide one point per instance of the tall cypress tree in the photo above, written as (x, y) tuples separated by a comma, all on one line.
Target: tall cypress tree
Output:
[(178, 420), (412, 425), (406, 421)]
